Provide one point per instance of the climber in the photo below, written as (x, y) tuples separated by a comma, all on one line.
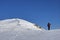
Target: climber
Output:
[(48, 25)]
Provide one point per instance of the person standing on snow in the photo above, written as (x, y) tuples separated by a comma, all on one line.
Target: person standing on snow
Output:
[(48, 25)]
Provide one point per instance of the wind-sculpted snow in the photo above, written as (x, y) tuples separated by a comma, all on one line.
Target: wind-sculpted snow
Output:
[(18, 29)]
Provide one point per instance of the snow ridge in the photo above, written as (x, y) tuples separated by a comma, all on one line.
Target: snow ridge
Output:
[(17, 24)]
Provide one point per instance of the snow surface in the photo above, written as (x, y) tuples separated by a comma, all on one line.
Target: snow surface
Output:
[(19, 29)]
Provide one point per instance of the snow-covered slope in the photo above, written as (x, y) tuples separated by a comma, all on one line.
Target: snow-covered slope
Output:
[(17, 24), (19, 29)]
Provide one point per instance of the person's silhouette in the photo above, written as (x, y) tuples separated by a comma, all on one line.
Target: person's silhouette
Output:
[(48, 25)]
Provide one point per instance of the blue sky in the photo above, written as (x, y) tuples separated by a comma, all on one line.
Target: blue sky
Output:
[(37, 11)]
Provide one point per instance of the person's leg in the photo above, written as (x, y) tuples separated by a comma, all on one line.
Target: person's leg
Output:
[(48, 28)]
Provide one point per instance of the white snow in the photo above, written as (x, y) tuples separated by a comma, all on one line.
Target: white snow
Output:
[(19, 29)]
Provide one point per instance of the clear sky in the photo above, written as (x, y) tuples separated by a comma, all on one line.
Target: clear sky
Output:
[(37, 11)]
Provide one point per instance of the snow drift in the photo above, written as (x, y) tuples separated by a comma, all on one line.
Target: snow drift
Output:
[(19, 29)]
